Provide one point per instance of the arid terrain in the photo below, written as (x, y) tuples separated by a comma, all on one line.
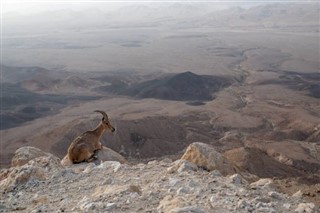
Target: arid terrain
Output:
[(245, 80)]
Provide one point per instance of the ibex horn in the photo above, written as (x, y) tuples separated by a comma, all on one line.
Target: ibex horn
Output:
[(105, 116)]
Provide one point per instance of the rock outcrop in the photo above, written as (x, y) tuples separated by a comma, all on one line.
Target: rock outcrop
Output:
[(207, 157), (115, 187), (105, 154), (37, 169), (24, 154), (44, 185)]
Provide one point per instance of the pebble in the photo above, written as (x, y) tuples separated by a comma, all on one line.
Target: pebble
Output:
[(110, 206), (287, 205), (189, 209), (242, 204), (215, 173), (182, 190), (236, 179), (274, 195)]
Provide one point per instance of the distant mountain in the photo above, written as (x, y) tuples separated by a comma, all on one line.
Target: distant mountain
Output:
[(17, 74), (266, 16), (175, 15), (19, 105), (185, 86), (28, 93)]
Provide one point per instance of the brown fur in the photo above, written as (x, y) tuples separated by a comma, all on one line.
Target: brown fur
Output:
[(85, 146)]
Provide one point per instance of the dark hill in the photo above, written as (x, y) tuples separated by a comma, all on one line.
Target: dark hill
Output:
[(185, 86), (19, 105), (16, 74)]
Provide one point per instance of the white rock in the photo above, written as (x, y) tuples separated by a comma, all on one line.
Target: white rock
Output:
[(259, 205), (187, 166), (274, 195), (242, 204), (154, 162), (174, 181), (110, 206), (141, 166), (236, 179), (263, 183), (215, 173), (87, 206), (207, 157), (166, 161), (187, 209), (298, 194), (171, 190), (24, 154), (182, 190), (305, 208), (89, 168), (115, 165), (193, 184), (287, 205), (266, 209), (213, 200), (26, 174)]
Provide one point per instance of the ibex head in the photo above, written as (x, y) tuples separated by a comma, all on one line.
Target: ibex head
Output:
[(105, 121)]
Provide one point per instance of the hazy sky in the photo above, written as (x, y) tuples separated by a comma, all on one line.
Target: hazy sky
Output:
[(35, 6), (27, 6)]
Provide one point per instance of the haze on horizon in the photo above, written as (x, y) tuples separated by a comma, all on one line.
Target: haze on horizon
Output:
[(153, 36), (32, 7)]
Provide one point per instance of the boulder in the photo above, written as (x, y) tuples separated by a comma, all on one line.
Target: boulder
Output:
[(37, 169), (21, 175), (205, 156), (24, 154), (105, 154), (182, 166)]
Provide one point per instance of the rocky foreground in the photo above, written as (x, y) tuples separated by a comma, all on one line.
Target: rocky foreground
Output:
[(43, 184)]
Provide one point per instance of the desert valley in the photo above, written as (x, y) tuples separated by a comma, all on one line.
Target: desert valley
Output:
[(245, 80)]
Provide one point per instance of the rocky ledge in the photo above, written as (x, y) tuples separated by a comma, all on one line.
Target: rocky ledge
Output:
[(191, 184)]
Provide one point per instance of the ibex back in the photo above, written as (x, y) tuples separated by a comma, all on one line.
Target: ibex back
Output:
[(84, 147)]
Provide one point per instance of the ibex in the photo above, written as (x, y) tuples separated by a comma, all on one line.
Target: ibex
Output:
[(84, 147)]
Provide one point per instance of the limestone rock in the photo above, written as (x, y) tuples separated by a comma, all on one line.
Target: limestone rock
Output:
[(305, 208), (169, 203), (115, 165), (105, 154), (205, 156), (44, 185), (24, 154), (181, 166), (263, 183), (49, 163), (191, 209), (298, 194), (35, 170), (237, 179), (274, 195), (21, 175)]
